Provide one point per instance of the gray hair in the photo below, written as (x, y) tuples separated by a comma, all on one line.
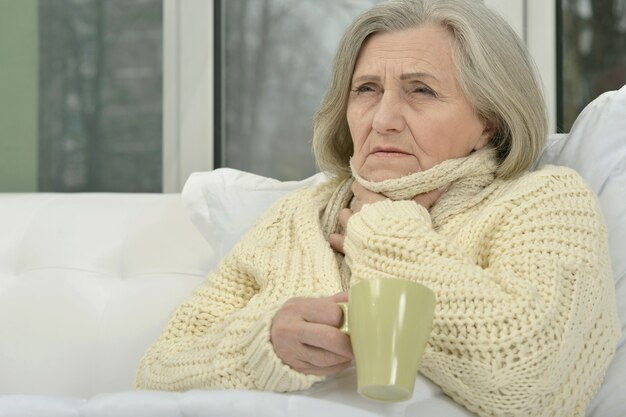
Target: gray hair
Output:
[(494, 70)]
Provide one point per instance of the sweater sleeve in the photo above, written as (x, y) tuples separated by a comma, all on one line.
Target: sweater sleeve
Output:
[(220, 336), (525, 321)]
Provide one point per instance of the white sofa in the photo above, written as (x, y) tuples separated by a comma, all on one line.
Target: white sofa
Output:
[(87, 282)]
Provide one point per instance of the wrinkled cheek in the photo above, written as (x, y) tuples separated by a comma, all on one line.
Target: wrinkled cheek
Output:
[(359, 140), (357, 159), (356, 137), (360, 128)]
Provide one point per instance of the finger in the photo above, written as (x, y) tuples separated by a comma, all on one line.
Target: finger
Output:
[(323, 311), (327, 339), (364, 195), (320, 358), (344, 216), (340, 297), (423, 200), (357, 189), (315, 357), (304, 357), (307, 368), (336, 242), (430, 198)]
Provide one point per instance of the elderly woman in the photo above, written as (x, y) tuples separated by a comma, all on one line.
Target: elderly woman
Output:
[(433, 116)]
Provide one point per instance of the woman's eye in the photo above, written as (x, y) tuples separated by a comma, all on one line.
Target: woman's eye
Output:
[(420, 89), (365, 88)]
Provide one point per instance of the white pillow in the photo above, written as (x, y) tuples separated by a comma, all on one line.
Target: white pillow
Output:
[(225, 203)]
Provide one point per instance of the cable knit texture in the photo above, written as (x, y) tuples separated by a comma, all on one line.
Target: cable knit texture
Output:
[(525, 322)]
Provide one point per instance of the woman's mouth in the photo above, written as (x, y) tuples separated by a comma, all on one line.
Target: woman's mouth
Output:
[(389, 153)]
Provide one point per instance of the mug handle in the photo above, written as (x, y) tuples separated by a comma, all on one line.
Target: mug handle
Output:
[(344, 325)]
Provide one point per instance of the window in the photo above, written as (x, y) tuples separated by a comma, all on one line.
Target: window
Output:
[(100, 66), (592, 52), (88, 113), (275, 58), (273, 62), (134, 95)]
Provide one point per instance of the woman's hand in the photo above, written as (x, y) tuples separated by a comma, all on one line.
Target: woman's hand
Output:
[(305, 334), (363, 196)]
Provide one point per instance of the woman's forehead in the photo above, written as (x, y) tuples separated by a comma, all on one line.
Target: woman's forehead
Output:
[(425, 50)]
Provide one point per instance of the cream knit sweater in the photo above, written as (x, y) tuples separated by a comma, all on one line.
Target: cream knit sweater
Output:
[(525, 322)]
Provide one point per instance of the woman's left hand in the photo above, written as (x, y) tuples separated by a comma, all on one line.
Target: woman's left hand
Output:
[(363, 196)]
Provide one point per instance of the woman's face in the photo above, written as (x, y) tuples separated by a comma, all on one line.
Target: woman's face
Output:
[(406, 110)]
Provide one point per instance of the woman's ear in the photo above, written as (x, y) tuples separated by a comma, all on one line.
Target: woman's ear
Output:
[(488, 131)]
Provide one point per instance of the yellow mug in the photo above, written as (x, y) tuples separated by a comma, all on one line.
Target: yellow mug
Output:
[(389, 322)]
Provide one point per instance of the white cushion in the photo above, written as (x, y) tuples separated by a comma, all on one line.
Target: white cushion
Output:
[(87, 282), (225, 203)]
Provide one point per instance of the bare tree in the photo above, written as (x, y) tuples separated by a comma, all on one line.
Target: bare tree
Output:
[(594, 61), (277, 67), (100, 119)]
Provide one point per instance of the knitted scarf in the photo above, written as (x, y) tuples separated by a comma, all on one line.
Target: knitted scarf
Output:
[(465, 177)]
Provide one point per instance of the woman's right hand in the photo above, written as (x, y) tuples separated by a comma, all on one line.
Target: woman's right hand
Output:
[(363, 196), (305, 334)]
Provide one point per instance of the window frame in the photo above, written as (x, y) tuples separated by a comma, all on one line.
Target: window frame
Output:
[(188, 86)]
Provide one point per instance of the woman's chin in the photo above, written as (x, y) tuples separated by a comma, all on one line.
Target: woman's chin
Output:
[(380, 169), (379, 175)]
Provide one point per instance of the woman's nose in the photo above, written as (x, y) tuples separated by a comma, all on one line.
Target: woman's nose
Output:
[(388, 117)]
